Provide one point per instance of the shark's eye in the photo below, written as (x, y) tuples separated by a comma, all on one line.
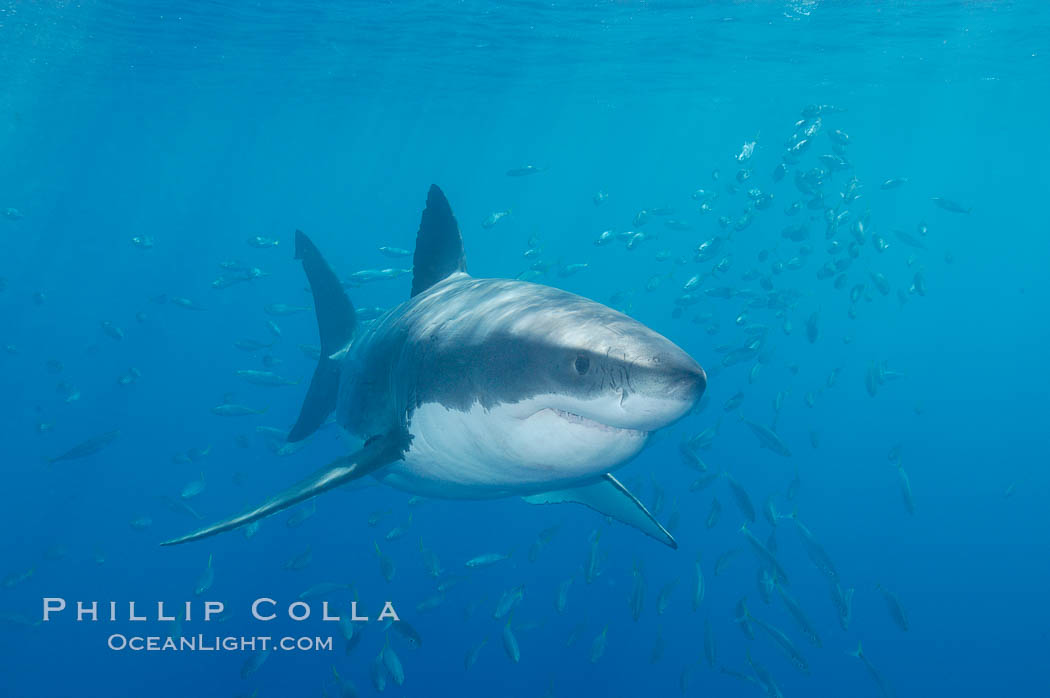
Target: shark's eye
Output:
[(582, 364)]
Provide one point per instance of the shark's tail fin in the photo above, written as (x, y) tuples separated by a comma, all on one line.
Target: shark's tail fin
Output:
[(335, 322)]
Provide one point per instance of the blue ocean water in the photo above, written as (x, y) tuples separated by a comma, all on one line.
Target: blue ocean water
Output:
[(193, 128)]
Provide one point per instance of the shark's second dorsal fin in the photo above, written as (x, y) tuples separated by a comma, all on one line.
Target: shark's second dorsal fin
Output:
[(439, 246)]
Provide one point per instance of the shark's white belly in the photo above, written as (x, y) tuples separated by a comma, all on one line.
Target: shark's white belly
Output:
[(507, 450)]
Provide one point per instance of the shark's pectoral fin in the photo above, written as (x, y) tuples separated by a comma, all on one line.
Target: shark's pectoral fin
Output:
[(376, 453), (607, 496)]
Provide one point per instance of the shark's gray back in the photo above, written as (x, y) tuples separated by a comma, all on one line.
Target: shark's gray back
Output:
[(467, 341)]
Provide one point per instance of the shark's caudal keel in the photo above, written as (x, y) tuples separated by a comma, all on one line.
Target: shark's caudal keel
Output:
[(480, 388)]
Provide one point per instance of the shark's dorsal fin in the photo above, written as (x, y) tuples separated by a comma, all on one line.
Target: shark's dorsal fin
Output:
[(335, 323), (439, 246)]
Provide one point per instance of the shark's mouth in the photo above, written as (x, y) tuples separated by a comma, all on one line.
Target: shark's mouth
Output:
[(574, 418)]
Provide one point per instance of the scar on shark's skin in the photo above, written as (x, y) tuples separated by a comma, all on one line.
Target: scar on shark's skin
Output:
[(483, 388)]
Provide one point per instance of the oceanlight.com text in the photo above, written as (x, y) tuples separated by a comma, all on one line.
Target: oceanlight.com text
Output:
[(215, 643)]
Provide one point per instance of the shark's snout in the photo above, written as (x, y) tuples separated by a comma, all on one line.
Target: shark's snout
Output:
[(686, 380), (669, 385), (662, 384)]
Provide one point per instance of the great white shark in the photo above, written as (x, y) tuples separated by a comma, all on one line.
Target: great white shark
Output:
[(484, 388)]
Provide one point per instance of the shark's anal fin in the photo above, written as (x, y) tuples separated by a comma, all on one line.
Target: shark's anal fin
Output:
[(376, 453), (607, 496), (335, 324), (439, 246)]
